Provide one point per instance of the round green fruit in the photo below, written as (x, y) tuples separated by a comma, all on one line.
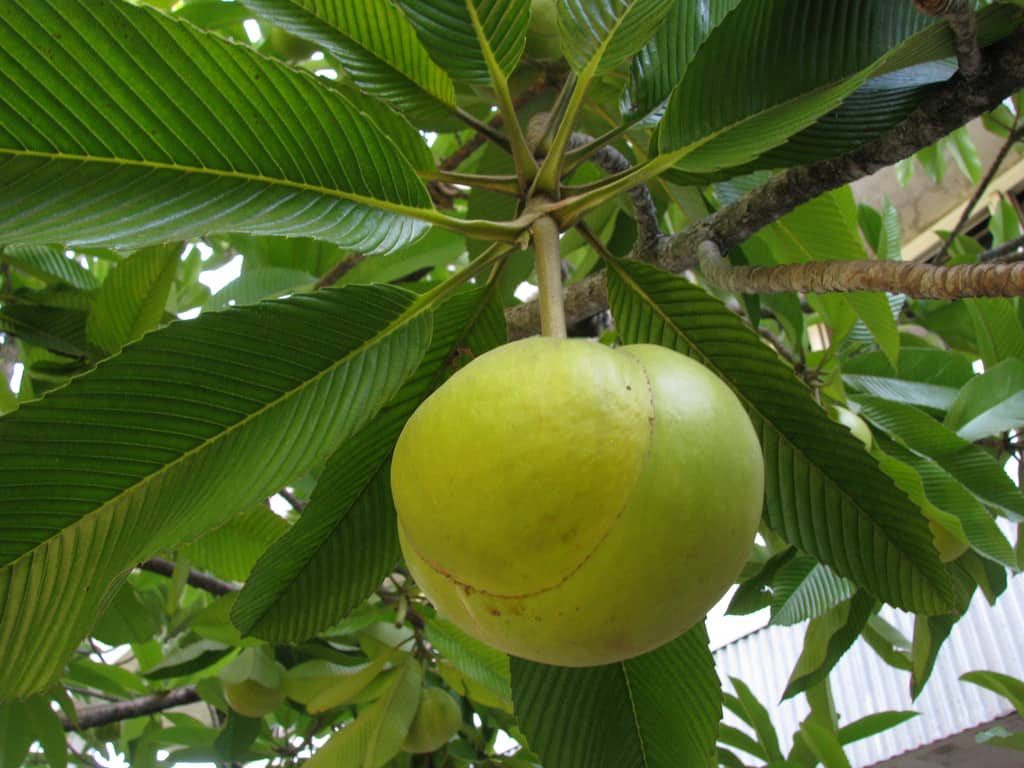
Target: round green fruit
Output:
[(253, 683), (855, 424), (437, 719), (252, 699), (574, 504)]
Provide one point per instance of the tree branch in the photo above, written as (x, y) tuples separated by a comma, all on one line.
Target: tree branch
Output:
[(953, 104), (960, 15), (197, 579), (919, 281), (613, 162), (104, 714)]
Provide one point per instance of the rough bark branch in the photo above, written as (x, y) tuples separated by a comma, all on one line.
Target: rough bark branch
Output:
[(960, 15), (954, 104), (104, 714), (919, 281), (613, 162), (196, 579)]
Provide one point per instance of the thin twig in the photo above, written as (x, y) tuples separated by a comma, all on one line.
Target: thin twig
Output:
[(197, 579), (339, 270), (1001, 252), (293, 501), (103, 714), (1016, 135), (454, 160)]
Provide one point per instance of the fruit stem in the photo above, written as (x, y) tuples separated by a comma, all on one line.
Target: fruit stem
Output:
[(548, 252)]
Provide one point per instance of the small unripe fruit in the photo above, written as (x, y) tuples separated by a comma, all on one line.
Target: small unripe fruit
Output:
[(574, 504), (253, 683), (437, 719)]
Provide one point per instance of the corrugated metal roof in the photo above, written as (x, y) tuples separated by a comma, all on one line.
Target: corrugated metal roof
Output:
[(988, 637)]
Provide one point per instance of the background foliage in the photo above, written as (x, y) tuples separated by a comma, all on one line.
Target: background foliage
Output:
[(326, 156)]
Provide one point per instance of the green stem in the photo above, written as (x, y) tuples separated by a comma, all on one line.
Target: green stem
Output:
[(479, 229), (507, 185), (525, 164), (550, 173), (549, 277), (556, 115), (569, 211)]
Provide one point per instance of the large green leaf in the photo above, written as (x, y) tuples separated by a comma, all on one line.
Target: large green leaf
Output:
[(598, 35), (824, 493), (160, 442), (448, 28), (480, 663), (131, 300), (998, 329), (828, 637), (378, 48), (991, 403), (657, 710), (828, 51), (970, 464), (120, 126), (346, 540), (376, 735), (1009, 687), (661, 63)]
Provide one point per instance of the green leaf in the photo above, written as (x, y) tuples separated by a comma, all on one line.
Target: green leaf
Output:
[(17, 735), (737, 739), (659, 709), (991, 403), (49, 264), (970, 464), (804, 589), (437, 248), (346, 687), (479, 662), (376, 735), (179, 133), (944, 492), (120, 464), (873, 724), (829, 637), (598, 35), (753, 712), (448, 30), (232, 549), (824, 744), (263, 283), (378, 48), (662, 62), (131, 300), (346, 541), (61, 331), (828, 53), (1010, 688), (824, 493), (46, 728), (997, 329)]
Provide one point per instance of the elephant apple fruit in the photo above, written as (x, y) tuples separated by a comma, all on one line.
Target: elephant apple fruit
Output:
[(253, 683), (575, 504), (437, 719)]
